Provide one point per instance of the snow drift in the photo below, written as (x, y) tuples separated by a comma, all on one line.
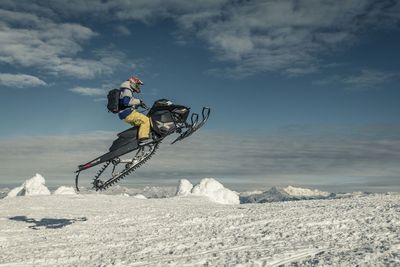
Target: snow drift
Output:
[(31, 187), (215, 191), (210, 188)]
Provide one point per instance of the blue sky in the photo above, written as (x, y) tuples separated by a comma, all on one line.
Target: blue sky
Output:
[(314, 81)]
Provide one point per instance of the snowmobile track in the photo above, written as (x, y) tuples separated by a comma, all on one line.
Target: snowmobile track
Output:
[(100, 185)]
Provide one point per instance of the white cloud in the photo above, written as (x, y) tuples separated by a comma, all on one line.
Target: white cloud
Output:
[(368, 78), (123, 30), (364, 79), (88, 91), (372, 152), (252, 36), (259, 36), (28, 40), (20, 80)]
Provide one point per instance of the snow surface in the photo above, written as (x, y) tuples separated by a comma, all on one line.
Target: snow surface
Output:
[(139, 196), (31, 187), (184, 188), (298, 191), (215, 191), (104, 230), (65, 190)]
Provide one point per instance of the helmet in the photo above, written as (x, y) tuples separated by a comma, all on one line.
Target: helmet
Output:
[(135, 83)]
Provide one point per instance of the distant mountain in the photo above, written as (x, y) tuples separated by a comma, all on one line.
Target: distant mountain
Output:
[(290, 193), (272, 195), (305, 192)]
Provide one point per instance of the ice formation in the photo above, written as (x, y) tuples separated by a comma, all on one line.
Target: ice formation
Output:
[(65, 190), (215, 191), (304, 192), (31, 187), (184, 188)]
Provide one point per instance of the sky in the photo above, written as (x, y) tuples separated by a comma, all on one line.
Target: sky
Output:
[(302, 92)]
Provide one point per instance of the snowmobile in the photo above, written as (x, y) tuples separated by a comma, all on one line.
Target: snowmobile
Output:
[(166, 118)]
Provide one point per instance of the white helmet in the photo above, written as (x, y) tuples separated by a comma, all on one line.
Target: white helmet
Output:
[(135, 83)]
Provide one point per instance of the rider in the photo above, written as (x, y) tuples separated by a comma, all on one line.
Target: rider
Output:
[(129, 105)]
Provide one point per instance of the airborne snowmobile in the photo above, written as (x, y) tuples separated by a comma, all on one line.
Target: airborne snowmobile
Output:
[(166, 119)]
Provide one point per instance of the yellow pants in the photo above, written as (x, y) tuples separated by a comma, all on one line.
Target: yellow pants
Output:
[(140, 120)]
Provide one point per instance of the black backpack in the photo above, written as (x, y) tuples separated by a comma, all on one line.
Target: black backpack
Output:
[(113, 100)]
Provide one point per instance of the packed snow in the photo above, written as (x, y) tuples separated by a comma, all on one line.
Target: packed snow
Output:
[(65, 190), (31, 187), (298, 191), (106, 230)]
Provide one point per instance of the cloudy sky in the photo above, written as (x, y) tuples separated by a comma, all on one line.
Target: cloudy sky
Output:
[(302, 92)]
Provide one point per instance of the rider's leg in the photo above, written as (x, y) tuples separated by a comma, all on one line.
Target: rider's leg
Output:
[(142, 121)]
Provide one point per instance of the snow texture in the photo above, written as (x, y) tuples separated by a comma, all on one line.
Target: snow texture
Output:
[(31, 187), (103, 230), (184, 188), (215, 191), (65, 190), (299, 192)]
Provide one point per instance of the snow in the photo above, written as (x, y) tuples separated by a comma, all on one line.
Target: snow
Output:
[(139, 196), (17, 191), (65, 190), (298, 191), (215, 191), (31, 187), (184, 188), (105, 230)]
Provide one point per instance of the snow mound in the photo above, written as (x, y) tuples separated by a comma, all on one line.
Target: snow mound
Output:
[(31, 187), (215, 191), (184, 188), (139, 196), (65, 190), (304, 192)]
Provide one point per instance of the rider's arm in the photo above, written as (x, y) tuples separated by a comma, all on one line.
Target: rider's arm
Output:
[(128, 100)]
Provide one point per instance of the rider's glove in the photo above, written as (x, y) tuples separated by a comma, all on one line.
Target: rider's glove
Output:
[(143, 105)]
